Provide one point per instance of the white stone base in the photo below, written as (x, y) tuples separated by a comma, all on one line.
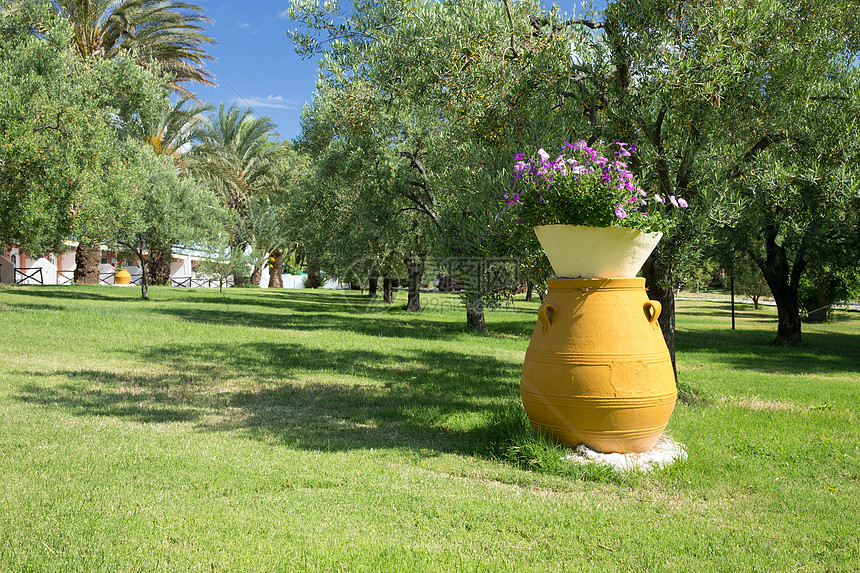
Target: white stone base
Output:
[(666, 452)]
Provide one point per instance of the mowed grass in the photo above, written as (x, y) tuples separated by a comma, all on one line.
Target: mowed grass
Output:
[(261, 430)]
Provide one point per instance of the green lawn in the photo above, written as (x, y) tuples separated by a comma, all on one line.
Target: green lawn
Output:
[(303, 431)]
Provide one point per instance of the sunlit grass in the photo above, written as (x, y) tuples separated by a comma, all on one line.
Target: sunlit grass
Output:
[(314, 431)]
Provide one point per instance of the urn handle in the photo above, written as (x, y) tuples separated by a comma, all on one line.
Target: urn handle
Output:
[(652, 310), (545, 314)]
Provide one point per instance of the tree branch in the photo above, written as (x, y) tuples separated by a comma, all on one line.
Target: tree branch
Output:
[(54, 127), (760, 146), (662, 164), (539, 23), (511, 22)]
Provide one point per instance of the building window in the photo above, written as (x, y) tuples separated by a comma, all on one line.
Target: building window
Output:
[(14, 260), (104, 260)]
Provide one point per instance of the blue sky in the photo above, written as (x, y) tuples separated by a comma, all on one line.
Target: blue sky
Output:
[(256, 65)]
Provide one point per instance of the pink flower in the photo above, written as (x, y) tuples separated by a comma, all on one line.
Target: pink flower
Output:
[(682, 203)]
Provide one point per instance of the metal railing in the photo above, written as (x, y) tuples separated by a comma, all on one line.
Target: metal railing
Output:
[(65, 278), (29, 276), (194, 282)]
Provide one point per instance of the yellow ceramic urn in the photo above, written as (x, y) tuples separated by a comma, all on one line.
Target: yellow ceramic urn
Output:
[(597, 370), (122, 277)]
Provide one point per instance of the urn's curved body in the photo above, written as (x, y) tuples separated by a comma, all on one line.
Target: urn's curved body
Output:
[(597, 371), (122, 277)]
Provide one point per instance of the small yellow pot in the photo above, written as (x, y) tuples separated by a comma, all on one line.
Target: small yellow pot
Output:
[(122, 277), (597, 370)]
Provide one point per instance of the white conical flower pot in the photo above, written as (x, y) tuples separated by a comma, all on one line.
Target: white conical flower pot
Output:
[(576, 251)]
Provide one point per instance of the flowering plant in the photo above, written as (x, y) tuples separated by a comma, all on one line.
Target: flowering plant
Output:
[(582, 186)]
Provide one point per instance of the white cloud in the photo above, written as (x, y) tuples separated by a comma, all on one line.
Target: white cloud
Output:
[(272, 101), (243, 24), (284, 13)]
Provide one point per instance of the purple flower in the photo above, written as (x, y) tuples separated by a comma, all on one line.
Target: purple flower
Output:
[(682, 203), (519, 157), (620, 213), (543, 154), (673, 200), (658, 198)]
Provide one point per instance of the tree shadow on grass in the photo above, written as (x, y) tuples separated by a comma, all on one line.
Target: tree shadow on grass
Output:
[(110, 294), (822, 353), (316, 400), (378, 325)]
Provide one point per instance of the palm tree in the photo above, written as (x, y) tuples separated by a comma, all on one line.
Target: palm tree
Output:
[(265, 229), (236, 156), (171, 134), (156, 32)]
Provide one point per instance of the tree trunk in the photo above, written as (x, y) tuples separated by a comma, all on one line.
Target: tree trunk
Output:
[(415, 269), (158, 266), (314, 279), (788, 331), (784, 282), (275, 270), (144, 276), (755, 301), (445, 284), (475, 316), (529, 290), (388, 290), (144, 282), (658, 282), (87, 259), (256, 276), (373, 285)]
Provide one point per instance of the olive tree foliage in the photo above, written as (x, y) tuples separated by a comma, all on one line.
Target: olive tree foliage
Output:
[(163, 208), (719, 98), (61, 151), (454, 89), (373, 230), (171, 134), (787, 188)]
